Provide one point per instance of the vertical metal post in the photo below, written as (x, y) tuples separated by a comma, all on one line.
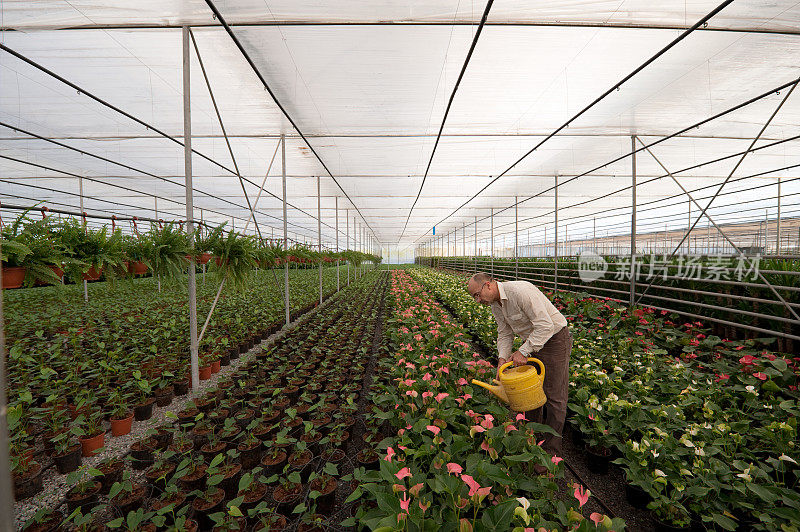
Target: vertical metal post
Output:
[(80, 193), (688, 228), (594, 233), (633, 219), (319, 237), (778, 222), (347, 233), (187, 162), (475, 244), (285, 232), (491, 237), (766, 231), (555, 243), (338, 263), (516, 240), (464, 247)]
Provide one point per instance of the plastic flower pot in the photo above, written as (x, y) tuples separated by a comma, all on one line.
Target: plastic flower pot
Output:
[(636, 496), (597, 459), (216, 366), (69, 461), (13, 277), (122, 426), (209, 503), (326, 486), (29, 482), (164, 396), (287, 497), (77, 499), (112, 472), (92, 274), (130, 502), (205, 373), (51, 523), (90, 445), (144, 410)]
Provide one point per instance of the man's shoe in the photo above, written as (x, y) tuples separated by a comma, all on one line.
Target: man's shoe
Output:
[(540, 469)]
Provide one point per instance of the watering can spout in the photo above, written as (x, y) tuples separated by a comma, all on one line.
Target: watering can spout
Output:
[(496, 390)]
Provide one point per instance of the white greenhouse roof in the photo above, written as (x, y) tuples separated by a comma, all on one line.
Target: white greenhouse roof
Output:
[(368, 83)]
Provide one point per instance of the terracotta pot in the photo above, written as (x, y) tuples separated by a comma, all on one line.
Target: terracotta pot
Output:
[(205, 373), (204, 258), (89, 446), (216, 366), (13, 277), (92, 274), (137, 268), (121, 427)]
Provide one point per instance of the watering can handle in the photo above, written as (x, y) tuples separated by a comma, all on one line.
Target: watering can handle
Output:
[(530, 359), (538, 363)]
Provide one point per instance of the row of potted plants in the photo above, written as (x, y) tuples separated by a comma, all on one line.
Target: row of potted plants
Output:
[(73, 371), (457, 460), (265, 449), (43, 251), (704, 428)]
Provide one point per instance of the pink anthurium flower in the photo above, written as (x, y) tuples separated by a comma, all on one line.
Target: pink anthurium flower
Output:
[(434, 429), (389, 454), (582, 494), (403, 473), (454, 468), (556, 459), (439, 397), (597, 518)]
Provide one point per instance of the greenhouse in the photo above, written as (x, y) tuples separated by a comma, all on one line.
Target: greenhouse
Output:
[(521, 265)]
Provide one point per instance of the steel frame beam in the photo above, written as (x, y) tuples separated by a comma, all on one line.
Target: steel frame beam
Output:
[(727, 179)]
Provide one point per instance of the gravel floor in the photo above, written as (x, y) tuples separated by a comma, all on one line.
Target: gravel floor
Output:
[(55, 484)]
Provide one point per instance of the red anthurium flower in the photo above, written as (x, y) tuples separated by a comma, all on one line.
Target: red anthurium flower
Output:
[(760, 376), (747, 360)]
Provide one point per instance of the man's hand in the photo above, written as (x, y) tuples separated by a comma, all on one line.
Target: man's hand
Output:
[(518, 358), (500, 362)]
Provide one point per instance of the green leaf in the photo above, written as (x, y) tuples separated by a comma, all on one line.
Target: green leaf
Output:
[(294, 477), (235, 512), (217, 460), (725, 522), (354, 496), (764, 494)]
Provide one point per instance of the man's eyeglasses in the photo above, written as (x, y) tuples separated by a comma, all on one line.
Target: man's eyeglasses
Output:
[(477, 294)]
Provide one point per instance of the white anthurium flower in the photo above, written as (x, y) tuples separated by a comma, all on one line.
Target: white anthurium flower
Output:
[(525, 503), (746, 475), (685, 472), (655, 454), (699, 451), (660, 473), (787, 459)]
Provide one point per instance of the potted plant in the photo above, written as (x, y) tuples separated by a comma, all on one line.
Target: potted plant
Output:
[(127, 495), (137, 250), (27, 253), (110, 470), (234, 258), (83, 490), (45, 520), (143, 400), (91, 251), (121, 413), (92, 432)]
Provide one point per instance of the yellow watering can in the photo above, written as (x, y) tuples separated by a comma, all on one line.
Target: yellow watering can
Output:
[(520, 387)]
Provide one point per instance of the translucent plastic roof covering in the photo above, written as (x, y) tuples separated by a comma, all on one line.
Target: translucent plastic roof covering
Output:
[(368, 84)]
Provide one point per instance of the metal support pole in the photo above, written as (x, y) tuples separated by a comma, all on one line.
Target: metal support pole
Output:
[(80, 193), (338, 262), (766, 231), (187, 158), (516, 240), (347, 232), (633, 220), (555, 243), (319, 238), (285, 232), (475, 244), (491, 237), (778, 222)]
